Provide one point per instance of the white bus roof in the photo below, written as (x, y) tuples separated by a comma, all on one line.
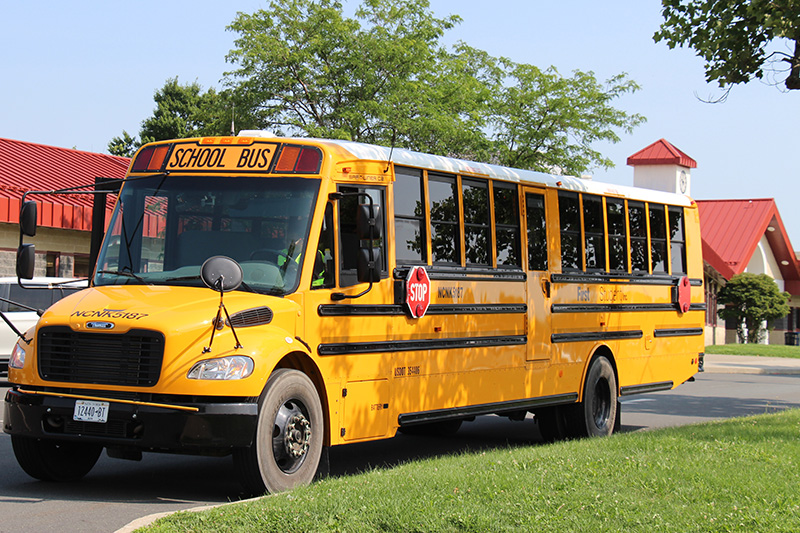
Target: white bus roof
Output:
[(401, 156)]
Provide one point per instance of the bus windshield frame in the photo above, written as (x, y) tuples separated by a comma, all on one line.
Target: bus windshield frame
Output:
[(164, 227)]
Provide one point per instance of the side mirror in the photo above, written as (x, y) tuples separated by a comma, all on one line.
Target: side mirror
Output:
[(26, 257), (221, 273), (27, 218), (369, 265), (368, 221)]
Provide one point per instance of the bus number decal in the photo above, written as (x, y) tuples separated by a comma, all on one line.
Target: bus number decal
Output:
[(453, 293), (403, 371)]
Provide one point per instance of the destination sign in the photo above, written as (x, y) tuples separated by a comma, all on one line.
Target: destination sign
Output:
[(196, 157)]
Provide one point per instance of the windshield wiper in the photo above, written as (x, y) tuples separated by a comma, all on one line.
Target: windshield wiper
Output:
[(125, 274), (183, 278)]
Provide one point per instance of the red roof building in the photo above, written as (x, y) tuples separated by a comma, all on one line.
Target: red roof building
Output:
[(65, 221), (735, 228), (661, 152), (738, 235), (36, 167)]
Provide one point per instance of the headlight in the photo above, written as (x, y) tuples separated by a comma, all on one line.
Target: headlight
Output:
[(17, 359), (233, 367)]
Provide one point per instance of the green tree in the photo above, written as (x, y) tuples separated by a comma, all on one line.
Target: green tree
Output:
[(182, 110), (734, 37), (750, 300), (384, 77), (545, 121)]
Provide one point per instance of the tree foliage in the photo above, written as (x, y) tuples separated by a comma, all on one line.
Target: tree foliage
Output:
[(384, 77), (182, 110), (751, 299), (733, 37)]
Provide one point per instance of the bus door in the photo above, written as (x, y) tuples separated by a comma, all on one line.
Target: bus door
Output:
[(538, 284)]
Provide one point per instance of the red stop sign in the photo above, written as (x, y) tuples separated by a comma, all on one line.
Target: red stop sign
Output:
[(418, 291), (684, 294)]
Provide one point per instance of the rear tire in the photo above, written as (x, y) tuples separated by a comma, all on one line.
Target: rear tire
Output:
[(596, 415), (554, 422), (288, 442), (53, 460)]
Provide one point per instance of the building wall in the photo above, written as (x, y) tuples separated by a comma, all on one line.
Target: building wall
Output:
[(69, 246), (763, 262)]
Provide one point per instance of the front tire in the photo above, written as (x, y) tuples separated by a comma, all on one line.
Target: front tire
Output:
[(288, 442), (53, 460), (596, 415)]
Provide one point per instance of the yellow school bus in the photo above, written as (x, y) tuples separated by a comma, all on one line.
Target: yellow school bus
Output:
[(266, 297)]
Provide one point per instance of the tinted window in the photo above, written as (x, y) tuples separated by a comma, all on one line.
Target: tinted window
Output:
[(506, 222), (409, 216), (617, 235), (658, 238), (445, 236), (569, 214), (677, 240), (638, 227), (477, 232), (594, 233), (537, 231)]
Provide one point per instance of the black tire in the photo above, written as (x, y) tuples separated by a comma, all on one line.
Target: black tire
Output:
[(288, 443), (446, 428), (53, 460), (596, 415), (554, 422)]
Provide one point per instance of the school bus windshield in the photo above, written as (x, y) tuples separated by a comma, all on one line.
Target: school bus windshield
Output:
[(164, 228)]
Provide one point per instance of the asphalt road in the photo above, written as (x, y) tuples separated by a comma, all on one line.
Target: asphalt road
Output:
[(117, 492)]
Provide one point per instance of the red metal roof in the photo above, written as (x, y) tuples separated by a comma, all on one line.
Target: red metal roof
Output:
[(732, 230), (661, 152), (28, 166)]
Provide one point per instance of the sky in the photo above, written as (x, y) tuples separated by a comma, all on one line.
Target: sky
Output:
[(76, 74)]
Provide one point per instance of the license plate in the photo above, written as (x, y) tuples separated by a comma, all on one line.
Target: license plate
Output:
[(88, 411)]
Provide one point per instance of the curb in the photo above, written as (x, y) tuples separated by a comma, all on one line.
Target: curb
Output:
[(149, 519)]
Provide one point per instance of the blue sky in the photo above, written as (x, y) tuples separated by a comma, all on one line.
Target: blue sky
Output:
[(75, 74)]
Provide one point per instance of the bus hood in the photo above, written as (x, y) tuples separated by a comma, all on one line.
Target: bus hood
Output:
[(120, 308)]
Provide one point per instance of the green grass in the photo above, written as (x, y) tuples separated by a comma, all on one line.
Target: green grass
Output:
[(771, 350), (735, 475)]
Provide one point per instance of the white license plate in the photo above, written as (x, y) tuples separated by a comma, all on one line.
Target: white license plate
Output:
[(88, 411)]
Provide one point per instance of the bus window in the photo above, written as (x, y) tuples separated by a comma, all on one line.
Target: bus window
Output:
[(323, 276), (477, 232), (617, 235), (594, 244), (154, 239), (537, 231), (677, 240), (638, 228), (348, 237), (445, 237), (658, 238), (569, 213), (409, 216), (506, 223)]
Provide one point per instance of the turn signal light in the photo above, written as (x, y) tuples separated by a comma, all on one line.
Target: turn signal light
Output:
[(299, 159), (151, 159)]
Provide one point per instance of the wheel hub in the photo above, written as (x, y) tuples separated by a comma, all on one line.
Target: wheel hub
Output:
[(297, 436)]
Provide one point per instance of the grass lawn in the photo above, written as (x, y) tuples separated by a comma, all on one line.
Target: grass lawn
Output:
[(771, 350), (735, 475)]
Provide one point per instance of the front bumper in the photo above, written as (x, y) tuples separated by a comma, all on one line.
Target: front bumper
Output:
[(211, 428)]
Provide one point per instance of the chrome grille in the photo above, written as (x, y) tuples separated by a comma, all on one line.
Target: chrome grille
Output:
[(132, 359)]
